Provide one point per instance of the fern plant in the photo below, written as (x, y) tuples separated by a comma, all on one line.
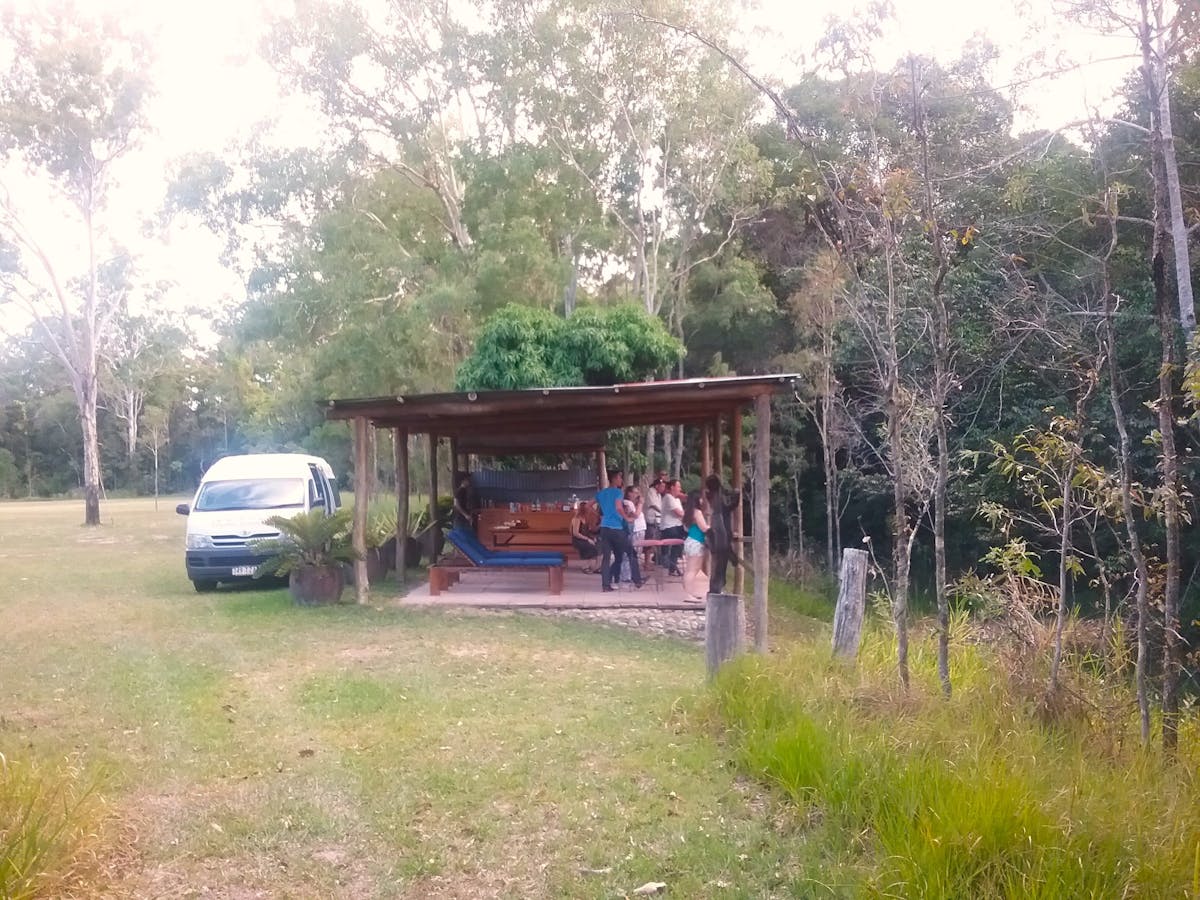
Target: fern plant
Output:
[(308, 539)]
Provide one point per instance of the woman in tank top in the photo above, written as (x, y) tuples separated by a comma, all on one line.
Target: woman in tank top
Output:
[(695, 581)]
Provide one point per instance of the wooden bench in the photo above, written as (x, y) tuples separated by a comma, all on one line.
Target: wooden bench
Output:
[(446, 573), (474, 555)]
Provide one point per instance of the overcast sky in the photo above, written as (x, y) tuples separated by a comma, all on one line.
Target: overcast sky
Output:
[(212, 88)]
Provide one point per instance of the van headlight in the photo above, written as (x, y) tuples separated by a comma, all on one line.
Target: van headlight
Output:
[(200, 542)]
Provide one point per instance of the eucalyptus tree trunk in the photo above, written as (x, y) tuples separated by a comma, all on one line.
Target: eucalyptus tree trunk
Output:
[(894, 412), (86, 398), (1154, 82), (1155, 56), (829, 455), (941, 384), (1124, 454), (1171, 510), (1141, 570)]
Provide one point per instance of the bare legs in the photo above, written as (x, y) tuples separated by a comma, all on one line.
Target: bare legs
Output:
[(695, 580)]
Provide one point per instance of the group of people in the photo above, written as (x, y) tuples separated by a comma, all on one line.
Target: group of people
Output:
[(623, 518)]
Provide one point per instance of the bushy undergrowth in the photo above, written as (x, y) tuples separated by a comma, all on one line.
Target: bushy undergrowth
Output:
[(49, 818), (912, 795)]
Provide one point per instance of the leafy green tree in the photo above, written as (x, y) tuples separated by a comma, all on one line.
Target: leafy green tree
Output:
[(524, 347)]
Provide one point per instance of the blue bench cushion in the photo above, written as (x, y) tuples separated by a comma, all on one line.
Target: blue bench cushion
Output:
[(522, 563), (474, 550)]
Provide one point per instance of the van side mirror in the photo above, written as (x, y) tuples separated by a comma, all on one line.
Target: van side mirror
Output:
[(183, 509)]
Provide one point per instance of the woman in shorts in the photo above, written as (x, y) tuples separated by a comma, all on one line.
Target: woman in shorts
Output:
[(695, 518)]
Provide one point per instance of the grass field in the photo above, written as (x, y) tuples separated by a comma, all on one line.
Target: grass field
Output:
[(242, 747)]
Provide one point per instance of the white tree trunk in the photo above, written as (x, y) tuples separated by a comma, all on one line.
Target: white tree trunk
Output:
[(86, 397)]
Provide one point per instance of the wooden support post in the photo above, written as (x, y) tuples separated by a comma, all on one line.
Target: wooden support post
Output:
[(724, 630), (851, 603), (435, 530), (454, 466), (373, 472), (705, 450), (362, 497), (735, 481), (601, 469), (718, 465), (762, 527), (400, 452)]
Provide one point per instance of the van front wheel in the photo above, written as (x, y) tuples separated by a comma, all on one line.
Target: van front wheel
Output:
[(204, 585)]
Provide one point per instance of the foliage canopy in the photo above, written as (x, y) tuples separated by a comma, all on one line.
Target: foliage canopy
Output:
[(525, 347)]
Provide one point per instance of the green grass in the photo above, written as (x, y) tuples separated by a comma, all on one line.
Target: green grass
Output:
[(915, 796), (48, 817), (232, 744), (241, 745)]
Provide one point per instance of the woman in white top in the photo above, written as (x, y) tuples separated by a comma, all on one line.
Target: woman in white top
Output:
[(637, 527), (672, 522)]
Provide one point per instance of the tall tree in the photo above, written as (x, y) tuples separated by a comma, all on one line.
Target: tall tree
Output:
[(71, 105), (138, 351)]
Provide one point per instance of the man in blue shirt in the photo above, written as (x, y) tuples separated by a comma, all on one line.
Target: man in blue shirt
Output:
[(614, 539)]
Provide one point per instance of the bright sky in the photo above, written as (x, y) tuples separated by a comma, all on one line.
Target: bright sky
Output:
[(213, 90)]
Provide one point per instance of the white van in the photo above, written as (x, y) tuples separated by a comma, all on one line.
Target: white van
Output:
[(236, 495)]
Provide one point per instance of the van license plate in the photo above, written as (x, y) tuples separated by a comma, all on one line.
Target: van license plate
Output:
[(243, 570)]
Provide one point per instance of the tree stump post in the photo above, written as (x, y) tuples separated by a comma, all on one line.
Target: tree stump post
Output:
[(724, 630), (851, 603), (362, 500)]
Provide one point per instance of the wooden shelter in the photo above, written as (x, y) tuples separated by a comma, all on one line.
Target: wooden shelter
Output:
[(574, 420)]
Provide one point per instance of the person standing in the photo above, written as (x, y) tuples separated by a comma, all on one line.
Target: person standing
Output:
[(720, 532), (464, 507), (671, 523), (694, 579), (652, 506), (614, 541), (637, 526)]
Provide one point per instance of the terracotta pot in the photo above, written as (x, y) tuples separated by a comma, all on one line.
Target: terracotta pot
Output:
[(431, 548), (412, 559), (377, 565), (316, 585)]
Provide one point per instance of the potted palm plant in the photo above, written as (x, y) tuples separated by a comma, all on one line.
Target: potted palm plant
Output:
[(381, 529), (310, 551)]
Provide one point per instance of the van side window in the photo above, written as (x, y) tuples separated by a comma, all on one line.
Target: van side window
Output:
[(317, 487), (314, 494)]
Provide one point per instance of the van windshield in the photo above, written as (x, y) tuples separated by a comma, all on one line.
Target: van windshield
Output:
[(251, 493)]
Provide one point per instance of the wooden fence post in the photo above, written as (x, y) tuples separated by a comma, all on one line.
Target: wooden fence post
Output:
[(851, 603), (724, 630), (400, 449), (762, 526), (736, 482), (362, 498), (435, 528)]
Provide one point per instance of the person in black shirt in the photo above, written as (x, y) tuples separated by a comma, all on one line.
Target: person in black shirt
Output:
[(720, 534), (464, 507)]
